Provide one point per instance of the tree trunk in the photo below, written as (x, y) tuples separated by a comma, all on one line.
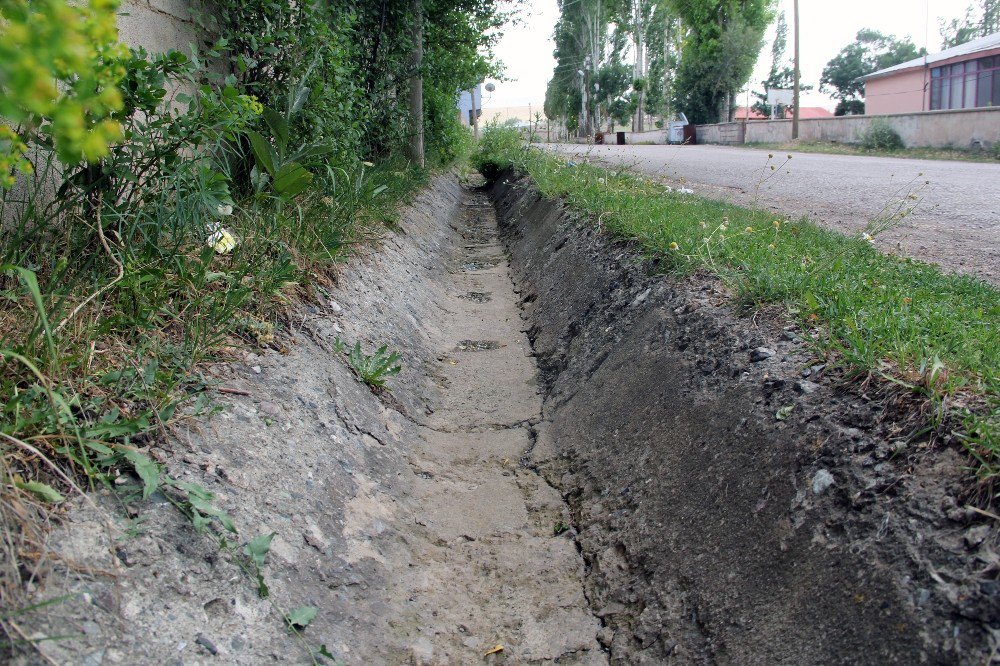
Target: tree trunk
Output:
[(416, 147)]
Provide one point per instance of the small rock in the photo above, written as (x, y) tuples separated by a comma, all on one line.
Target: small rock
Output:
[(335, 307), (91, 628), (93, 659), (256, 369), (761, 354), (605, 636), (473, 643), (805, 387), (957, 514), (314, 537), (791, 336), (641, 297), (422, 652), (821, 481), (206, 643), (974, 536), (270, 408)]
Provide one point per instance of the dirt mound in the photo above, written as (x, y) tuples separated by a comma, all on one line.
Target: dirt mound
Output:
[(734, 503)]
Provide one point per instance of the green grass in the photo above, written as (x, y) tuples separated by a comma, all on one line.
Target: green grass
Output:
[(830, 148), (872, 313)]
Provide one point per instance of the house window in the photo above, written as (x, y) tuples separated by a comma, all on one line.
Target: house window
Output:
[(966, 85)]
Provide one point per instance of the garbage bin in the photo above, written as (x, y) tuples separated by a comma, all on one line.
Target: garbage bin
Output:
[(690, 134), (675, 130), (620, 137)]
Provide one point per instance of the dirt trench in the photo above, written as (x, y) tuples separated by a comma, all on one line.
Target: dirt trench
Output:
[(581, 462), (406, 517)]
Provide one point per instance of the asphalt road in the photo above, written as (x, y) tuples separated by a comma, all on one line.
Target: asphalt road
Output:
[(956, 222)]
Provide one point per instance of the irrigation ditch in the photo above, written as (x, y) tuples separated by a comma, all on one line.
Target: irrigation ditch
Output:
[(583, 461)]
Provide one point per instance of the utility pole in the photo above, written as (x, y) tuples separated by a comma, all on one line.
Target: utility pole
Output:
[(795, 89), (417, 84), (475, 113)]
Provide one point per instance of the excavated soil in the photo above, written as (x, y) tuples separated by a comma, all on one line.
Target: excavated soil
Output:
[(582, 462), (735, 504)]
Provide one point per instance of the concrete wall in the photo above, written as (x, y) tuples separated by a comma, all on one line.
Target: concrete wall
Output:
[(730, 134), (964, 128), (157, 25), (901, 93)]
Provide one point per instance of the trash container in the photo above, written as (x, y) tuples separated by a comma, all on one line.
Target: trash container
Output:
[(620, 138), (690, 134), (675, 130)]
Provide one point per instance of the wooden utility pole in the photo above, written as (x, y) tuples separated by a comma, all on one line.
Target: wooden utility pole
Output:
[(417, 84), (795, 89)]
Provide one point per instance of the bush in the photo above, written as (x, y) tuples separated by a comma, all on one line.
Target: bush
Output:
[(500, 148), (881, 136)]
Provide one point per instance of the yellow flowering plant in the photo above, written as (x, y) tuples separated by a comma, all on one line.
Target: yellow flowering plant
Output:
[(60, 65)]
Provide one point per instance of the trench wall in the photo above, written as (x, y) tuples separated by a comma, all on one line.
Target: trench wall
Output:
[(705, 534)]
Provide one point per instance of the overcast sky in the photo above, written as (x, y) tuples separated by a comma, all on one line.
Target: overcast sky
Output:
[(826, 27)]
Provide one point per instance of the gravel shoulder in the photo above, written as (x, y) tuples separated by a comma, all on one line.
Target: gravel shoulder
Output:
[(955, 225)]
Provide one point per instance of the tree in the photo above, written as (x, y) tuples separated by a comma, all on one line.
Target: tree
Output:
[(870, 52), (723, 40), (973, 25), (782, 74), (664, 43), (581, 37)]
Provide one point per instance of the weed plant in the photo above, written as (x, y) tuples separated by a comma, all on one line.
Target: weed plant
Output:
[(374, 369), (871, 313)]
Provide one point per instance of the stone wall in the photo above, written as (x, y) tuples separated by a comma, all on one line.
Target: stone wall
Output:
[(964, 128)]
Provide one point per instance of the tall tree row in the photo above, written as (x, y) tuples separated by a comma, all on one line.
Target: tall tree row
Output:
[(621, 59)]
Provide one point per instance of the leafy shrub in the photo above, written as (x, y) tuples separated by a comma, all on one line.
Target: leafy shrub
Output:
[(881, 136)]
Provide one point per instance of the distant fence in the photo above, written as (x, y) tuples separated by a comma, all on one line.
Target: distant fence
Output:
[(960, 128)]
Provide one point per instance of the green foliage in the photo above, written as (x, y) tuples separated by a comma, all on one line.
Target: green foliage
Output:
[(782, 74), (301, 617), (117, 289), (718, 55), (977, 22), (870, 52), (59, 67), (375, 369), (881, 136), (500, 148), (868, 312)]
